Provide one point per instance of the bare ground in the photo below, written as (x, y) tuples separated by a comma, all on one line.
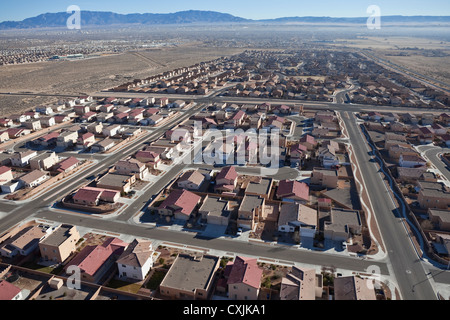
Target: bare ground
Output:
[(74, 78)]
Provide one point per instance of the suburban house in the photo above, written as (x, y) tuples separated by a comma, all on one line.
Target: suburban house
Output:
[(301, 284), (92, 196), (293, 191), (132, 167), (190, 277), (191, 180), (295, 216), (34, 178), (298, 153), (179, 204), (353, 288), (95, 260), (4, 136), (258, 186), (22, 159), (59, 245), (67, 165), (136, 261), (104, 145), (119, 182), (441, 218), (342, 225), (14, 133), (250, 211), (9, 292), (48, 140), (411, 161), (215, 211), (112, 130), (309, 142), (32, 125), (67, 139), (44, 161), (86, 140), (150, 158), (6, 175), (327, 156), (24, 242), (327, 178), (243, 279), (226, 179), (433, 195)]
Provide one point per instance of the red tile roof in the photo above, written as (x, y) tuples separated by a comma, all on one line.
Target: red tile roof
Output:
[(308, 139), (293, 189), (4, 169), (67, 163), (92, 258), (8, 291), (228, 173), (245, 270), (183, 201)]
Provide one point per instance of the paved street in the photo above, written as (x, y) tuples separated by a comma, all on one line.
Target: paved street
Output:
[(402, 261), (407, 267)]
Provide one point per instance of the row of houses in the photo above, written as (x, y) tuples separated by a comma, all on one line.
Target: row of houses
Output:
[(60, 246), (190, 276), (291, 197), (38, 168)]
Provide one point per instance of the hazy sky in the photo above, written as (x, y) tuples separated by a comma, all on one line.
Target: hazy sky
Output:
[(252, 9)]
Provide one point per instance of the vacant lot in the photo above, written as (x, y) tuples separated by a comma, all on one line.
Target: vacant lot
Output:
[(74, 78)]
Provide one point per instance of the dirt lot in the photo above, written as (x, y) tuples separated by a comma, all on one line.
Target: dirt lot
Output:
[(92, 75)]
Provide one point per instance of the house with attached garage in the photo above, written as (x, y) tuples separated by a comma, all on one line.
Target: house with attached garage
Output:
[(250, 211), (132, 167), (25, 241), (95, 260), (191, 277), (44, 161), (122, 183), (67, 165), (353, 288), (59, 245), (215, 211), (22, 159), (67, 139), (412, 161), (293, 191), (149, 158), (180, 204), (136, 261), (93, 196), (243, 279), (295, 216), (103, 145), (301, 284), (191, 180), (34, 178), (342, 224), (10, 292)]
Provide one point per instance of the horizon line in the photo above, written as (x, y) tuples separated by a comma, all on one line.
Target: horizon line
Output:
[(250, 19)]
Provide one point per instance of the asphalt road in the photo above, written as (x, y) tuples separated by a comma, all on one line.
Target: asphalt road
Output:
[(407, 267), (433, 154)]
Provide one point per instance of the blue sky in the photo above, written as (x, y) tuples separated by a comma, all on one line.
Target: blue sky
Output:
[(252, 9)]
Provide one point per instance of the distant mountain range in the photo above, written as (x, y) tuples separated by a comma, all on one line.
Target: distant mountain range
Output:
[(94, 18)]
